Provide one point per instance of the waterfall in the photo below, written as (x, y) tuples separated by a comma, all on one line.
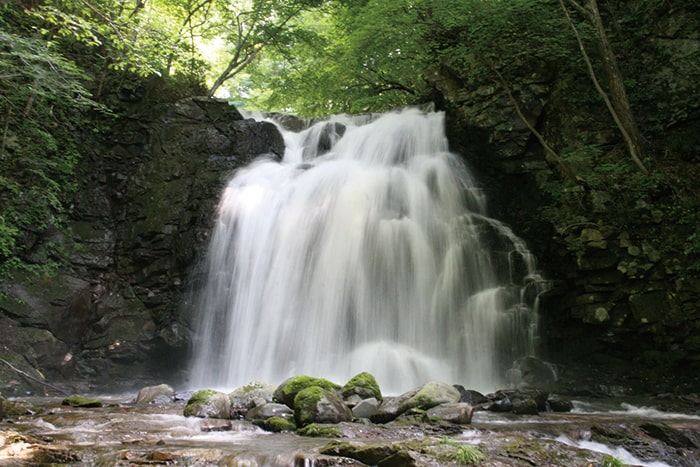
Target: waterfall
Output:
[(367, 248)]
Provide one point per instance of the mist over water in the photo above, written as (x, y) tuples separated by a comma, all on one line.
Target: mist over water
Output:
[(367, 248)]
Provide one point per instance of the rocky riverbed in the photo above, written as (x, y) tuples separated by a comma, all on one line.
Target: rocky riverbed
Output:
[(133, 429)]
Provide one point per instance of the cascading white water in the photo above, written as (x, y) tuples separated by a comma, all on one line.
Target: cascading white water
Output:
[(374, 256)]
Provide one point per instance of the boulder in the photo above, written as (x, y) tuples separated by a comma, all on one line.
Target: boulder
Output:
[(432, 394), (427, 396), (364, 385), (208, 403), (159, 394), (249, 396), (470, 396), (366, 408), (76, 400), (557, 404), (459, 413), (276, 424), (536, 373), (265, 411), (392, 407), (318, 405), (525, 407), (288, 390)]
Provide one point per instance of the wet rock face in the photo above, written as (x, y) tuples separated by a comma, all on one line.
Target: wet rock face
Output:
[(146, 202)]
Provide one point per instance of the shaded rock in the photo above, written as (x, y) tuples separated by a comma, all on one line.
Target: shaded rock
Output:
[(536, 373), (459, 413), (366, 408), (318, 405), (525, 407), (159, 394), (557, 404), (287, 391), (364, 385), (77, 400), (669, 435), (265, 411), (539, 396), (208, 403), (321, 138), (392, 407), (501, 405), (403, 459), (470, 396)]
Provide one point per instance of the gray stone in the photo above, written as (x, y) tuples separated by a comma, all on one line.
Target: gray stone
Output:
[(159, 394), (252, 395), (265, 411), (365, 408), (317, 405), (207, 403), (459, 413)]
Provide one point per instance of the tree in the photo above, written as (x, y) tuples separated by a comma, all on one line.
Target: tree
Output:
[(127, 36), (616, 98), (354, 60), (250, 27)]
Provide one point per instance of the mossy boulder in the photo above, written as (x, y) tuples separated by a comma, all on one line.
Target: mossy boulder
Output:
[(316, 431), (288, 390), (364, 385), (276, 424), (251, 395), (319, 405), (432, 394), (427, 396), (208, 403), (77, 400)]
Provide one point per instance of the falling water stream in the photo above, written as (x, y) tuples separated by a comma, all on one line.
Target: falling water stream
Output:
[(367, 248)]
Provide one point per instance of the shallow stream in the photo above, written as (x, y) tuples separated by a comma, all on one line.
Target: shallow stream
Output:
[(123, 433)]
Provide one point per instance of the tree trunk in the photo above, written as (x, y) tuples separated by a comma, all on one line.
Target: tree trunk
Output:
[(616, 87)]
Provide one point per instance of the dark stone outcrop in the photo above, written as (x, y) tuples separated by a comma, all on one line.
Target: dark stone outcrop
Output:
[(140, 219), (618, 300)]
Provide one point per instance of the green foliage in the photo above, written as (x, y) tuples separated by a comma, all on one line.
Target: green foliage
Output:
[(125, 36), (56, 61), (604, 182), (42, 98), (379, 54), (467, 454), (610, 461)]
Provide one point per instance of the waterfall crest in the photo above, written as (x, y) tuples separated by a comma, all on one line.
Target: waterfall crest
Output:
[(367, 248)]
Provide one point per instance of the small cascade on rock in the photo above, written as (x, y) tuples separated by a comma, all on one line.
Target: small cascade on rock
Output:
[(367, 248)]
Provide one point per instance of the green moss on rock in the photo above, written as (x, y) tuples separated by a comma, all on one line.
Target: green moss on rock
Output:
[(276, 424), (364, 385), (77, 400), (316, 431), (208, 403), (288, 390)]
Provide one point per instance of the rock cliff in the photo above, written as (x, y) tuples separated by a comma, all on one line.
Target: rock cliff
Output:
[(113, 315)]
